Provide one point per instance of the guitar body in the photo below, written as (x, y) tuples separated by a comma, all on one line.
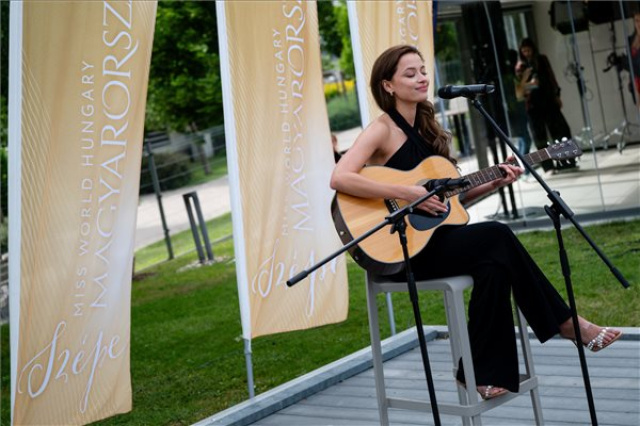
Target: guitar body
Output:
[(381, 253)]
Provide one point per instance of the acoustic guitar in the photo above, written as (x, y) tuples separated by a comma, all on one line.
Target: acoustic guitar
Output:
[(381, 253)]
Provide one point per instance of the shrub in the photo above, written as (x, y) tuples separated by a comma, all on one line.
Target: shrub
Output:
[(333, 89), (343, 112), (4, 235), (173, 172)]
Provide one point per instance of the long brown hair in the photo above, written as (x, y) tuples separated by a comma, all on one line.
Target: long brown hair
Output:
[(383, 69), (528, 42)]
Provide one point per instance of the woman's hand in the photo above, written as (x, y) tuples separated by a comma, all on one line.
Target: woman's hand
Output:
[(526, 75), (512, 173), (431, 205)]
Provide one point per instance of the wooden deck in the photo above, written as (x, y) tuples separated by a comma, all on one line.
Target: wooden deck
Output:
[(344, 392)]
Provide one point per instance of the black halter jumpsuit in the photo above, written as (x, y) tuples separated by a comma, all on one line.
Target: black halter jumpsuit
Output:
[(499, 264)]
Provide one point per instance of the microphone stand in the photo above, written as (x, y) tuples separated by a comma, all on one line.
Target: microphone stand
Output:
[(398, 224), (559, 207)]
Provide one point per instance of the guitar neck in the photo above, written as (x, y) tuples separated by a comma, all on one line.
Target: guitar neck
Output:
[(494, 172)]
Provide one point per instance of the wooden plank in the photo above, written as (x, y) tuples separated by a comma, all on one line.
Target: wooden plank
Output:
[(360, 387), (281, 419)]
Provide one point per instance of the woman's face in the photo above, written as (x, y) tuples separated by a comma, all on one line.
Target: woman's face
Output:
[(410, 82), (636, 22), (527, 52)]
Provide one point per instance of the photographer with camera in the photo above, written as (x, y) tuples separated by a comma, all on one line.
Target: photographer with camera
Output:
[(543, 103), (517, 111)]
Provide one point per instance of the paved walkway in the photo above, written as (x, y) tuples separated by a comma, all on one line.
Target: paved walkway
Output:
[(607, 181), (214, 201)]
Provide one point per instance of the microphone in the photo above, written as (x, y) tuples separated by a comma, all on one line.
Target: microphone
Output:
[(446, 183), (468, 91)]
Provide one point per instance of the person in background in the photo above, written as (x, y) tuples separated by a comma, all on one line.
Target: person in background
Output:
[(402, 137), (634, 46), (517, 111), (543, 103)]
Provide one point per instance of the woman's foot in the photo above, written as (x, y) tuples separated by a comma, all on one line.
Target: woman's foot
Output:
[(594, 337), (489, 392), (486, 392)]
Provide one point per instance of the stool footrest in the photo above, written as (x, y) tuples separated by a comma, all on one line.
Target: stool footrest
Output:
[(526, 386)]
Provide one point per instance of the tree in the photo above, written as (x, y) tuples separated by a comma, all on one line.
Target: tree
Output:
[(346, 56), (330, 39), (335, 36), (447, 42), (185, 92)]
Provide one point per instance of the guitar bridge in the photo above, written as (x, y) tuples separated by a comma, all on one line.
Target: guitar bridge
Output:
[(392, 205)]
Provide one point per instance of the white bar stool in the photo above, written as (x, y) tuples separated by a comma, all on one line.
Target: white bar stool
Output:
[(471, 405)]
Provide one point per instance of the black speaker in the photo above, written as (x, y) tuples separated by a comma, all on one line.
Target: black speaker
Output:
[(561, 20), (476, 24), (476, 18), (602, 12)]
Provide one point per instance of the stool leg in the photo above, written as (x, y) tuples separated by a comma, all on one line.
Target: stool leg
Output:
[(455, 352), (392, 320), (528, 363), (376, 353), (460, 348)]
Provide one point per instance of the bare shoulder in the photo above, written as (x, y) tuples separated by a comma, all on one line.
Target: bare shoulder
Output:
[(376, 142), (378, 130), (375, 135)]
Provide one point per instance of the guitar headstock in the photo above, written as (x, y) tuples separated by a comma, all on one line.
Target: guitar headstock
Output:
[(564, 150)]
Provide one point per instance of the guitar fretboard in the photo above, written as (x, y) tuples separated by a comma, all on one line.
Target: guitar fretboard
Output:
[(494, 172)]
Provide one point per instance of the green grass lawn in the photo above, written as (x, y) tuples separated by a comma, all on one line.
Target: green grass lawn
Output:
[(182, 243), (187, 360), (218, 165)]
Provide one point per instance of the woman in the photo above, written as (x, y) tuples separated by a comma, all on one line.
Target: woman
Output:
[(543, 103), (489, 252), (517, 111)]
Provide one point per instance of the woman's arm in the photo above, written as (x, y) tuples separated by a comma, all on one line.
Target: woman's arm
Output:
[(512, 173), (522, 82), (346, 176), (369, 146)]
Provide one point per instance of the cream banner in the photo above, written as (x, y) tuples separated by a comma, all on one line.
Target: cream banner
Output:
[(378, 25), (79, 76), (280, 160)]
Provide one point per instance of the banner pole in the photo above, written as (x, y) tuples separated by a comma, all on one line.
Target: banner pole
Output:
[(236, 199), (249, 363), (14, 183), (361, 81)]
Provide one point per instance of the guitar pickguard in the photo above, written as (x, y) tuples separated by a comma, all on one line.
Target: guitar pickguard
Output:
[(422, 221)]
